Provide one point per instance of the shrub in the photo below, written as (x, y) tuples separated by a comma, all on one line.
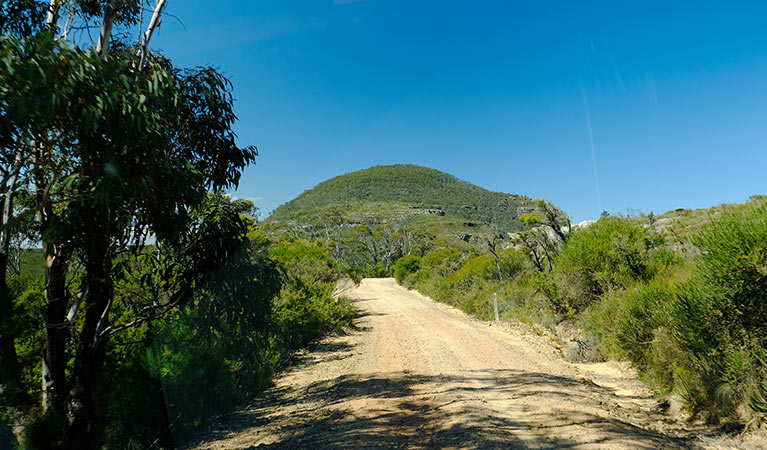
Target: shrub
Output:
[(700, 329), (441, 262), (483, 268), (305, 308), (722, 313), (304, 313), (611, 254), (405, 266), (635, 324)]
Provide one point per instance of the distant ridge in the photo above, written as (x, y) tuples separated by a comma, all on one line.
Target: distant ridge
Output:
[(420, 187)]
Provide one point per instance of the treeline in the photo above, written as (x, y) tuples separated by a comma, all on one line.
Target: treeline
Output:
[(369, 237), (687, 308)]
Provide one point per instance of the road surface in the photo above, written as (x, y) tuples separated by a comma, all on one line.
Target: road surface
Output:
[(419, 374)]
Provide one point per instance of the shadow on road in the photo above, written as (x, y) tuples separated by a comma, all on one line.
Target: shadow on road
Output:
[(481, 409), (399, 411)]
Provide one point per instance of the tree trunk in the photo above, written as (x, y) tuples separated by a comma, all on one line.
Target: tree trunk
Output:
[(498, 266), (56, 331), (165, 440), (91, 350)]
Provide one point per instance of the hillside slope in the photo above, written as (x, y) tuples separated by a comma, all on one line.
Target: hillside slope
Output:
[(416, 186)]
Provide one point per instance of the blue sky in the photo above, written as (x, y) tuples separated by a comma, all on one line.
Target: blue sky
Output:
[(591, 104)]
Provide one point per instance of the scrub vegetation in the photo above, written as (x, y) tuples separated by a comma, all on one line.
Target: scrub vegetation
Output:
[(157, 302), (163, 380), (375, 216), (681, 296), (415, 186)]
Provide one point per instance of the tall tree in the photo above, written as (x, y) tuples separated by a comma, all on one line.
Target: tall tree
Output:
[(118, 144)]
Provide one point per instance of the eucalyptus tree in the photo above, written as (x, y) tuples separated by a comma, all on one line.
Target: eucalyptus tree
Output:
[(116, 144), (550, 229)]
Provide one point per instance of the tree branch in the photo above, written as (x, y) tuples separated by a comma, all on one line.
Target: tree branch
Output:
[(75, 309), (7, 210), (98, 336), (153, 24), (106, 29), (52, 18), (148, 313)]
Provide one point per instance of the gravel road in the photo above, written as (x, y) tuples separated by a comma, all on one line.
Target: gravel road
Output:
[(420, 374)]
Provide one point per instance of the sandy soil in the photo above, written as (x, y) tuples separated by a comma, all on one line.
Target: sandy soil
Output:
[(420, 374)]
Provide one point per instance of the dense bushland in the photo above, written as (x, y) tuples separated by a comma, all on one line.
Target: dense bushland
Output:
[(688, 310), (105, 147), (167, 378)]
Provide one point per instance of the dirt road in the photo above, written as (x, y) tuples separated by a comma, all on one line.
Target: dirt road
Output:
[(419, 374)]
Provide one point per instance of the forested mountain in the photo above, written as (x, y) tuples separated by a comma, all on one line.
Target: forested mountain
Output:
[(378, 215), (421, 188)]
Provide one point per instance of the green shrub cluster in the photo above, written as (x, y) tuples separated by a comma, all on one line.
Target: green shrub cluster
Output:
[(693, 323), (465, 281), (305, 308), (233, 363), (611, 254), (405, 266), (701, 330), (722, 311)]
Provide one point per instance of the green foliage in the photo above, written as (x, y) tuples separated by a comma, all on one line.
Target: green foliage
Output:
[(636, 324), (198, 378), (446, 275), (135, 411), (305, 308), (432, 270), (405, 266), (699, 329), (721, 313), (27, 293), (108, 151), (609, 255), (137, 157), (419, 186), (381, 214), (472, 272), (693, 323), (222, 346), (530, 219), (21, 18), (442, 262)]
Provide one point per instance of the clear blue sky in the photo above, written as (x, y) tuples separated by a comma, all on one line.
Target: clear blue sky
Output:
[(591, 104)]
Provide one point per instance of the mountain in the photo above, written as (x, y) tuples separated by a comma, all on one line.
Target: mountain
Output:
[(405, 190)]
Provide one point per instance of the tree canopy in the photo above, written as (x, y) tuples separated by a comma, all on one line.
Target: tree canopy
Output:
[(113, 144)]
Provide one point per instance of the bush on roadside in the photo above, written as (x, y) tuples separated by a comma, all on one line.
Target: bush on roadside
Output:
[(721, 313), (305, 308), (610, 255), (205, 360), (405, 266), (636, 324)]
